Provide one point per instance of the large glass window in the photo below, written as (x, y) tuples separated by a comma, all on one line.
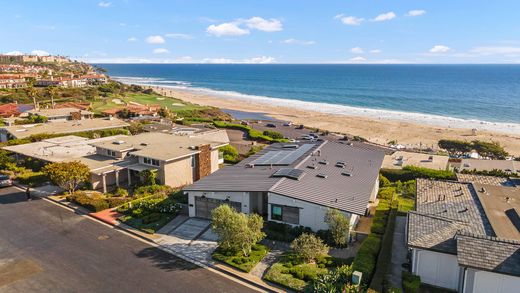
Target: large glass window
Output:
[(276, 212), (152, 162)]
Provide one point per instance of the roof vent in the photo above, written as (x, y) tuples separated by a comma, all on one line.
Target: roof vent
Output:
[(192, 147), (144, 144), (341, 164), (483, 190), (348, 174), (323, 162), (463, 210), (314, 167), (321, 175), (290, 146), (118, 142), (250, 165)]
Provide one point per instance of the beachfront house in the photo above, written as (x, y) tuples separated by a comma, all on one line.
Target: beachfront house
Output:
[(119, 160), (465, 236), (294, 184), (61, 114)]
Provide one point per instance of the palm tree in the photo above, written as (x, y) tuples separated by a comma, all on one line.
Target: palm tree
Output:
[(52, 91), (31, 92)]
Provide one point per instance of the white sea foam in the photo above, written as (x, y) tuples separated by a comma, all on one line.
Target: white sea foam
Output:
[(412, 117)]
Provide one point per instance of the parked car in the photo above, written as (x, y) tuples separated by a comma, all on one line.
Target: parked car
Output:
[(271, 125), (244, 122), (287, 123), (300, 126), (5, 181)]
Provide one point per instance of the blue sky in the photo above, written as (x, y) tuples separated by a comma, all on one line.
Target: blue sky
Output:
[(266, 31)]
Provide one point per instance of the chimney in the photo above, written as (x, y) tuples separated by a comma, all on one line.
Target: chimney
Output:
[(203, 162)]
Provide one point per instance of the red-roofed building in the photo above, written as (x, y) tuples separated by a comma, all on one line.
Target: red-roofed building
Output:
[(13, 109)]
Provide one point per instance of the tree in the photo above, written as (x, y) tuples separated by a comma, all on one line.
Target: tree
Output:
[(67, 175), (455, 147), (32, 92), (309, 247), (339, 226), (149, 177), (52, 91), (491, 150), (236, 231), (230, 154)]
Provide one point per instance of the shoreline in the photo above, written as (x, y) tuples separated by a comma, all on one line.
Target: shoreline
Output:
[(377, 130)]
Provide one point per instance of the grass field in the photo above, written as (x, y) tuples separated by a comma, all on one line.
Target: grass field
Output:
[(145, 99)]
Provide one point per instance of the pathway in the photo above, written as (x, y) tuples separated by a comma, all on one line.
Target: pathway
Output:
[(399, 252)]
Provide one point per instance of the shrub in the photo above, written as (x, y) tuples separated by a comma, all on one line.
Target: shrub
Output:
[(230, 154), (241, 262), (366, 258), (284, 232), (411, 282), (309, 247), (273, 134), (411, 173), (116, 201), (94, 202), (383, 181), (32, 178), (120, 192), (339, 226)]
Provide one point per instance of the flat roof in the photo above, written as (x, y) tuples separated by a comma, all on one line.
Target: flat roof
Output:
[(63, 127), (488, 180), (348, 193), (400, 159), (490, 165), (58, 112), (159, 146), (496, 200), (59, 149)]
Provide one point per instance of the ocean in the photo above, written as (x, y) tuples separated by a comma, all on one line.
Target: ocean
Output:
[(468, 96)]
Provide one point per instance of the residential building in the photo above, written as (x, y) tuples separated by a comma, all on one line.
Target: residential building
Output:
[(401, 159), (507, 166), (465, 236), (59, 127), (11, 81), (294, 184), (13, 109), (62, 114)]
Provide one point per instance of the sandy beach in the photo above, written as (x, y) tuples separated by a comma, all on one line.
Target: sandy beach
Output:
[(380, 131)]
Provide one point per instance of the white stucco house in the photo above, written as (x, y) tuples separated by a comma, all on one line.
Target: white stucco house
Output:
[(465, 236), (294, 184)]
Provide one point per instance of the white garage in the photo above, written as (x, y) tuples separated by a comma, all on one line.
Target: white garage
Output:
[(437, 269)]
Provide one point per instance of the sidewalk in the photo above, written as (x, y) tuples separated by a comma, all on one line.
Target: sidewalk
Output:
[(399, 252), (197, 251)]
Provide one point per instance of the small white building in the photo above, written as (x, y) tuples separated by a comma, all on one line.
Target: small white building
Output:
[(294, 184)]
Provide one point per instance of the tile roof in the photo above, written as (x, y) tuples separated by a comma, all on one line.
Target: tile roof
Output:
[(443, 208), (488, 180), (488, 253)]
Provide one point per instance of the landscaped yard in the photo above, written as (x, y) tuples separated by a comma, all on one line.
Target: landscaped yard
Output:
[(154, 208), (239, 261), (144, 99), (294, 274)]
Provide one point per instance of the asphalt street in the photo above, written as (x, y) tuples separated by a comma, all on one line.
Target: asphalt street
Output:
[(46, 248)]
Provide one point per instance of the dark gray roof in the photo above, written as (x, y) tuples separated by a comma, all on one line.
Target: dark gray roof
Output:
[(348, 193), (241, 177), (488, 253), (442, 209)]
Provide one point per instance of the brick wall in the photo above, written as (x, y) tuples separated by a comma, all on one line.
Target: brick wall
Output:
[(203, 164)]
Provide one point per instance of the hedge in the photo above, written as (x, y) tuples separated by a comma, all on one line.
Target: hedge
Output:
[(411, 173), (366, 258), (379, 280), (239, 261), (251, 132)]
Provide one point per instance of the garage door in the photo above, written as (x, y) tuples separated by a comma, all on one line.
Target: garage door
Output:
[(204, 206)]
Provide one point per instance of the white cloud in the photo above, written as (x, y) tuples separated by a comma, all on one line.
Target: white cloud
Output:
[(297, 42), (226, 29), (105, 4), (40, 53), (358, 59), (375, 51), (261, 60), (179, 36), (385, 16), (122, 24), (416, 12), (357, 50), (266, 25), (440, 49), (497, 50), (13, 53), (349, 20), (132, 39), (155, 40), (160, 51), (240, 27), (217, 60)]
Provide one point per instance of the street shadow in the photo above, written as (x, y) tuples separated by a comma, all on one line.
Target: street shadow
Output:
[(166, 261), (17, 197)]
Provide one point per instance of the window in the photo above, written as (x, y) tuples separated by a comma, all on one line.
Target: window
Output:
[(152, 162), (111, 153), (192, 161), (276, 212)]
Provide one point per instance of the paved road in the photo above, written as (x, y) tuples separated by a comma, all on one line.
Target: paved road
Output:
[(45, 248)]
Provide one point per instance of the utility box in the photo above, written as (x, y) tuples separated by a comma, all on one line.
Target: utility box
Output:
[(356, 278)]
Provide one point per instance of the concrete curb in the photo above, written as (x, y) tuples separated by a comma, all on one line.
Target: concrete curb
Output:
[(134, 232)]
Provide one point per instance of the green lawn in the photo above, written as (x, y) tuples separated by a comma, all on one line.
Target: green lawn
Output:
[(239, 261), (145, 99)]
